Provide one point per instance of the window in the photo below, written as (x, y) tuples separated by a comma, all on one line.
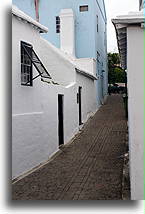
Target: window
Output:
[(97, 23), (84, 8), (29, 58), (26, 64), (57, 24)]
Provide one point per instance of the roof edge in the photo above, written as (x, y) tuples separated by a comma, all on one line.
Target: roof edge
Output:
[(128, 21), (20, 14), (86, 74), (130, 18)]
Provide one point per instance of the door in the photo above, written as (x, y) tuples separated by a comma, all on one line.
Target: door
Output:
[(80, 105), (60, 120), (102, 87)]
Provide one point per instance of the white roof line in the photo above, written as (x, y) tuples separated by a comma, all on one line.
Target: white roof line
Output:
[(130, 18), (69, 59), (23, 16), (86, 74)]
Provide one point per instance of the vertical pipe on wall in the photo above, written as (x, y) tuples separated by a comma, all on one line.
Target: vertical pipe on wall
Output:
[(36, 2)]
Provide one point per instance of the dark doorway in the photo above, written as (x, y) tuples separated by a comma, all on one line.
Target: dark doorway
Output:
[(60, 120), (80, 105)]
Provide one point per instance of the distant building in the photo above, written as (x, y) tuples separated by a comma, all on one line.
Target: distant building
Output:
[(90, 32), (130, 36)]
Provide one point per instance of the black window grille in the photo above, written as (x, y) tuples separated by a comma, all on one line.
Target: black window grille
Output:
[(29, 58), (57, 24), (84, 8), (26, 65)]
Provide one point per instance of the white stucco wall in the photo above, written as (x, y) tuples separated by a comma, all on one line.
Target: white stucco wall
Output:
[(35, 109), (88, 64), (89, 105), (135, 71)]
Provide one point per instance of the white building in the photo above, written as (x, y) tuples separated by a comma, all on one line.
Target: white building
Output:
[(130, 36), (47, 113)]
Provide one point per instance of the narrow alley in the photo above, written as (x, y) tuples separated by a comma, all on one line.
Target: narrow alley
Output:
[(88, 168)]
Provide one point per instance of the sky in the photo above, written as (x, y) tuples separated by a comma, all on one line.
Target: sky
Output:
[(113, 9)]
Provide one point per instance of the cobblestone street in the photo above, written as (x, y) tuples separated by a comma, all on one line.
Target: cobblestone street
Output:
[(88, 168)]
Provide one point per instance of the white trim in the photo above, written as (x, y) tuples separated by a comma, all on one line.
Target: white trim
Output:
[(25, 114)]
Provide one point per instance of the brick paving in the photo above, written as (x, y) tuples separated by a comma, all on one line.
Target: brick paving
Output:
[(89, 168)]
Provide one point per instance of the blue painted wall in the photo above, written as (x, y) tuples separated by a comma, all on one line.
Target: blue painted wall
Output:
[(86, 34), (88, 40)]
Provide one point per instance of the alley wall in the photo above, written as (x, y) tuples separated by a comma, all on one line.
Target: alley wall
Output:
[(136, 109), (35, 109)]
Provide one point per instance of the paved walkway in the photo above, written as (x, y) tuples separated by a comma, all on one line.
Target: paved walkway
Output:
[(90, 168)]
